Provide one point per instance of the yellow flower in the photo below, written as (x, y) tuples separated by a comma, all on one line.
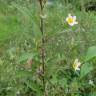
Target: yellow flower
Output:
[(76, 65), (71, 20)]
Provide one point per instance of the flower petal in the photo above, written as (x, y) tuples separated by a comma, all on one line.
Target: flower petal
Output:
[(75, 22), (69, 15), (71, 24), (74, 17), (78, 69), (67, 19)]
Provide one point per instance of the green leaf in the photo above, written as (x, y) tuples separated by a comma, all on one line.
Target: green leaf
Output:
[(92, 94), (23, 74), (26, 56), (85, 69), (63, 82), (60, 57), (21, 9), (91, 53), (35, 87), (54, 79)]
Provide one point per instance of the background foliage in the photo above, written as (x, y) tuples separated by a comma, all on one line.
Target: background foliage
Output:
[(20, 47)]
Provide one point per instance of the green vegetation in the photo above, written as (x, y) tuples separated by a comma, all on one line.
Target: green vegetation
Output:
[(64, 64)]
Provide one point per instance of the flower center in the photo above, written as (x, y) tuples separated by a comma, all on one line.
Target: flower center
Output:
[(74, 66), (70, 20)]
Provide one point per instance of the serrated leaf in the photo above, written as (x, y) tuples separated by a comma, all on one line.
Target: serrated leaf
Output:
[(23, 74), (26, 56), (35, 87), (23, 10), (91, 53)]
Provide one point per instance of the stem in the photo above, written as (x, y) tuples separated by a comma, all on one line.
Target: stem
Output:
[(42, 46)]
